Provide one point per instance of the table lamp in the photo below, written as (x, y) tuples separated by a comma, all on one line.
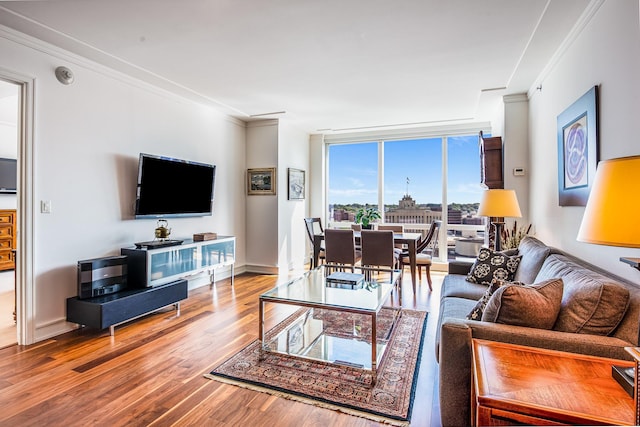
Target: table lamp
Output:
[(610, 217), (499, 203)]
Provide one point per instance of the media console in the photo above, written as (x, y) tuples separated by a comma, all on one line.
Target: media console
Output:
[(156, 266), (108, 311), (156, 278)]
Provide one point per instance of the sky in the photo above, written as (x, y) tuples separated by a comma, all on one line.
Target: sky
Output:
[(353, 170)]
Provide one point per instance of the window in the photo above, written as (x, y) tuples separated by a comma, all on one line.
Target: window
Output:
[(409, 180)]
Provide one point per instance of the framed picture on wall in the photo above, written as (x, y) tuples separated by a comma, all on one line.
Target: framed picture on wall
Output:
[(578, 149), (261, 181), (296, 184)]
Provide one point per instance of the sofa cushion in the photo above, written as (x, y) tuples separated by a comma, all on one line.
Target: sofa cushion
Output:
[(533, 252), (492, 265), (592, 303), (456, 285), (533, 306)]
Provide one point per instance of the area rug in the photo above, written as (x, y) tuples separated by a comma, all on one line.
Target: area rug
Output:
[(336, 386)]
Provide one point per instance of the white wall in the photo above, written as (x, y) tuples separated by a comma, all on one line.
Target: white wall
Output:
[(87, 138), (293, 149), (262, 210), (605, 53), (275, 224), (516, 151)]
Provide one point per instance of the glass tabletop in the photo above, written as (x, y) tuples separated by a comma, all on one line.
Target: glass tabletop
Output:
[(314, 289)]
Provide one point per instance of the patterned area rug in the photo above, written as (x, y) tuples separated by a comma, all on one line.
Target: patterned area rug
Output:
[(343, 388)]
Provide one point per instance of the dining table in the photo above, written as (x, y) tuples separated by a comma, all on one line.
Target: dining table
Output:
[(408, 239)]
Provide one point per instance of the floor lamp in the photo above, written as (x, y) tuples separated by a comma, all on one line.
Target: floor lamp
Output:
[(499, 203)]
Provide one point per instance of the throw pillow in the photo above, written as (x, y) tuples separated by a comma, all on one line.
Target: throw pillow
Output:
[(533, 306), (476, 312), (492, 265)]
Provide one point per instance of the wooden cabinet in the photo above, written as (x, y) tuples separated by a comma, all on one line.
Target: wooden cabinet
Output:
[(491, 167), (7, 239)]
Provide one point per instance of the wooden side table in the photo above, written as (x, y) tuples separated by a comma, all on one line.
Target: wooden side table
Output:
[(516, 385)]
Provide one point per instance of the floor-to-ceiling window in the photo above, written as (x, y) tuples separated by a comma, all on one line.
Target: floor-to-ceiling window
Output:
[(409, 180), (353, 179)]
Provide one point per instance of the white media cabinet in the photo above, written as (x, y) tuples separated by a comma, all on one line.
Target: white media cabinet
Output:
[(148, 267)]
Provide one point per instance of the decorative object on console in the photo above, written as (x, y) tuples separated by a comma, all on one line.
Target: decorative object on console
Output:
[(201, 237), (491, 265), (497, 204), (578, 149), (609, 217), (261, 181), (296, 178), (162, 231)]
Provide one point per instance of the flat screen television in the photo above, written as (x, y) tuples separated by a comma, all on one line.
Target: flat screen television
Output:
[(170, 187), (8, 176)]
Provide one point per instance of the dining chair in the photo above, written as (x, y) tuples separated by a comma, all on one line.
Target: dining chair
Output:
[(340, 249), (377, 251), (423, 259), (396, 228), (314, 226), (399, 228)]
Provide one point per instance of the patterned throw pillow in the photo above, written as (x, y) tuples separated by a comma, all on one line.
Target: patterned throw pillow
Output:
[(492, 265), (476, 313)]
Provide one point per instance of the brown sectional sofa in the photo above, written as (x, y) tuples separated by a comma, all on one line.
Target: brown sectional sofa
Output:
[(599, 315)]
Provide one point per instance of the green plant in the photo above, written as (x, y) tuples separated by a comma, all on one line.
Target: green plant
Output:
[(511, 237), (366, 216)]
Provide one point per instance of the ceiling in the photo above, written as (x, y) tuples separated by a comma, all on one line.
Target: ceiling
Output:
[(326, 65)]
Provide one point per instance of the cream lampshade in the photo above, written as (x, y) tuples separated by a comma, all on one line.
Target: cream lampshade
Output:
[(611, 215), (499, 203)]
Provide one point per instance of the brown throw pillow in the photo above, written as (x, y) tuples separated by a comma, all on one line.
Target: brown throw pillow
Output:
[(491, 265), (533, 306)]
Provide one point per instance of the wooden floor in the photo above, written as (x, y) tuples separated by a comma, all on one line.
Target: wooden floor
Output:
[(151, 372)]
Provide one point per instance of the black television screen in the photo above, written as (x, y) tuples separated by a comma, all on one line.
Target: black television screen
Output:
[(8, 176), (170, 187)]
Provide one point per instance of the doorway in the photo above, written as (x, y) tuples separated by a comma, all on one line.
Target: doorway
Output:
[(10, 101)]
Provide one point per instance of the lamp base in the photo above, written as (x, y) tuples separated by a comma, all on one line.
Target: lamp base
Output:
[(497, 243), (633, 262)]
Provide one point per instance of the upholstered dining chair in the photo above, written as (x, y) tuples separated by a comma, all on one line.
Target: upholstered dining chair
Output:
[(340, 249), (396, 228), (314, 226), (377, 251), (423, 259)]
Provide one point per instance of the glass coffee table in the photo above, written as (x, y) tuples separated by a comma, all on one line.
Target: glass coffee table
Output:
[(337, 323)]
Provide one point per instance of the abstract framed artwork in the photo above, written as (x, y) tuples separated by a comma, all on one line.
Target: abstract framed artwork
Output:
[(578, 149), (296, 184), (261, 181)]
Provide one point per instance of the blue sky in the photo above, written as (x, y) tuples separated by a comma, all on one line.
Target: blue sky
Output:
[(353, 171)]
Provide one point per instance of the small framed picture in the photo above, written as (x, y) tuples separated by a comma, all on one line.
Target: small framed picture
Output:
[(261, 181), (296, 184)]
